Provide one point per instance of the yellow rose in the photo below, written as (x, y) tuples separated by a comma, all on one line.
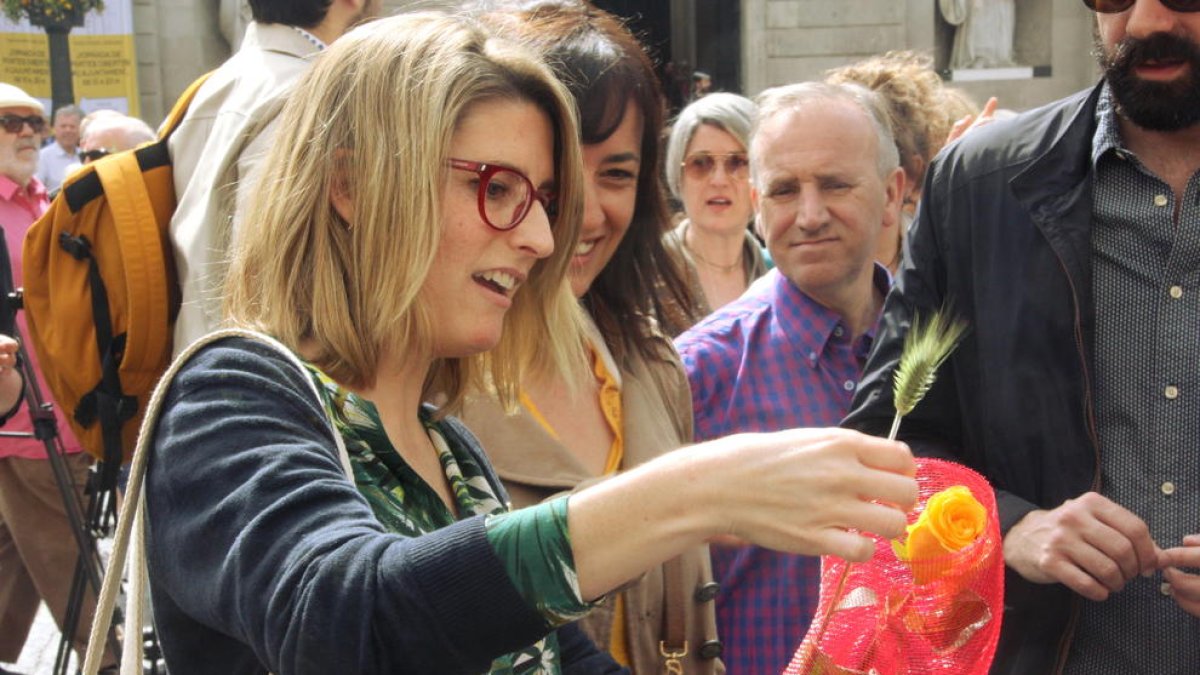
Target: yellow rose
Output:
[(952, 520)]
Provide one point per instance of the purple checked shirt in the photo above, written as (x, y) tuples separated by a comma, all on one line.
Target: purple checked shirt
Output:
[(771, 360)]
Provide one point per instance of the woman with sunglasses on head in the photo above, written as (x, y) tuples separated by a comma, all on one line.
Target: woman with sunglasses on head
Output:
[(708, 170), (397, 240)]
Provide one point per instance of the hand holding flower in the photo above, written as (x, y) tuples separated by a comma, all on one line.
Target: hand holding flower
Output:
[(931, 602)]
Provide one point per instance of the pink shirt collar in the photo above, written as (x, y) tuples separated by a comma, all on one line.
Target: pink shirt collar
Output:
[(33, 198)]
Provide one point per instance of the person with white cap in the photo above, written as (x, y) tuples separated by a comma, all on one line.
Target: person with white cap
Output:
[(37, 546)]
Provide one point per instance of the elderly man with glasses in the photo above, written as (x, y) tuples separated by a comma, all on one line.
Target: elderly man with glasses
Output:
[(37, 546), (1070, 238), (106, 132)]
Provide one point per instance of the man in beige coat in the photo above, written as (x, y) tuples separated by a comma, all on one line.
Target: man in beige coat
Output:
[(225, 134)]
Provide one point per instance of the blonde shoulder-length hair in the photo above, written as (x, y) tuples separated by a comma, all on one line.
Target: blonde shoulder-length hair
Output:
[(373, 119)]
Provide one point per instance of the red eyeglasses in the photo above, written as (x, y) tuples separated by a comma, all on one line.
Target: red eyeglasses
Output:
[(1118, 6), (505, 194)]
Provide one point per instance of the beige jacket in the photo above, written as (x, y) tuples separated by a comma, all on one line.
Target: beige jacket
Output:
[(754, 264), (656, 406), (216, 152)]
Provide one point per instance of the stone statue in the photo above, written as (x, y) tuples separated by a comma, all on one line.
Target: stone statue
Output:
[(983, 36)]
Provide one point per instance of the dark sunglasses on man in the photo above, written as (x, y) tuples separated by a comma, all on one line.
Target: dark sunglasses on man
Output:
[(86, 156), (13, 123), (1118, 6)]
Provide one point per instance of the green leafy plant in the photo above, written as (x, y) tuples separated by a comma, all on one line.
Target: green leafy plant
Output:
[(43, 12)]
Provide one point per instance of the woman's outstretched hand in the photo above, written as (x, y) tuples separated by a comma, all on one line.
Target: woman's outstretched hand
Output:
[(807, 491)]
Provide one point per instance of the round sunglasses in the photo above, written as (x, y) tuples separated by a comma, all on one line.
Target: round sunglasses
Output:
[(700, 165), (1118, 6)]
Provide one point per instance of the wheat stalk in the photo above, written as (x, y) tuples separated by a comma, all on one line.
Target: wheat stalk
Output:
[(926, 348)]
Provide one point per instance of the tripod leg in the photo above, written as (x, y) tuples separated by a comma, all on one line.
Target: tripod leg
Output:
[(70, 623), (34, 517), (88, 562), (81, 603)]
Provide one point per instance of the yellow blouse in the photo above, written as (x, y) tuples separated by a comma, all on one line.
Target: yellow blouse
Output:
[(610, 406)]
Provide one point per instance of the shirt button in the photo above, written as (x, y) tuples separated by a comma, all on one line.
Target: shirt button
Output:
[(839, 331), (849, 385), (1168, 488), (1165, 588), (711, 649), (706, 592), (1176, 292), (1171, 392), (1160, 200)]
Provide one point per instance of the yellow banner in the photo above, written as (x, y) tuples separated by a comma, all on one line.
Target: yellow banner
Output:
[(103, 61), (25, 62), (104, 69)]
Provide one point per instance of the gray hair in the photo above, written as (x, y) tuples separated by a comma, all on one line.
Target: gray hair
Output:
[(127, 132), (730, 113), (70, 111), (781, 100)]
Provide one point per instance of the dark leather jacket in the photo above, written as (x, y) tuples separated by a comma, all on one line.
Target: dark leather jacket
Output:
[(1004, 236)]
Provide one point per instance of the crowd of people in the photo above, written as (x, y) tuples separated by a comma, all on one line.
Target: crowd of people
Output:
[(542, 424)]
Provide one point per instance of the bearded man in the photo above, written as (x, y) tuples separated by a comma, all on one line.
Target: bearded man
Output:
[(37, 546), (1069, 237)]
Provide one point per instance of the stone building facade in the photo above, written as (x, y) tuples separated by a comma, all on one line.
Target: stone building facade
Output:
[(776, 41), (793, 40)]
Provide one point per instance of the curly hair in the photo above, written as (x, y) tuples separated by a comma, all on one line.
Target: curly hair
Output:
[(912, 90)]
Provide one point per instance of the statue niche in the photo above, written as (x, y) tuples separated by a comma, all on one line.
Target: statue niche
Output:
[(983, 35)]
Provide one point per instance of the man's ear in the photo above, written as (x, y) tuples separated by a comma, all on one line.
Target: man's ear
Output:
[(894, 191), (340, 196), (760, 228)]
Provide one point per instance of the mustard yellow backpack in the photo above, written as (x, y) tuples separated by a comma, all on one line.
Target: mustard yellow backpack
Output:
[(100, 291)]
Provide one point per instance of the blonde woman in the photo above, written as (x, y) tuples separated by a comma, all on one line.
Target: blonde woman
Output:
[(397, 237), (708, 170)]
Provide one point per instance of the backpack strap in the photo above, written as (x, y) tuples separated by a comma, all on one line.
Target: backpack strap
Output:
[(129, 541), (175, 117), (144, 267)]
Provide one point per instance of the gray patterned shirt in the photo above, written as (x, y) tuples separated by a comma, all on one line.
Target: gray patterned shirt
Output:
[(1147, 364)]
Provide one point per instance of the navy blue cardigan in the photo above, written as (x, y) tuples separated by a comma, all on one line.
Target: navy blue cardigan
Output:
[(263, 556)]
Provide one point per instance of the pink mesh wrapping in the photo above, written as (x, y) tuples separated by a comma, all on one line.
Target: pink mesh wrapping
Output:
[(878, 619)]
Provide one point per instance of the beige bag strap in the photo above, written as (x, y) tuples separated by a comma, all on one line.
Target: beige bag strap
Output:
[(129, 541)]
